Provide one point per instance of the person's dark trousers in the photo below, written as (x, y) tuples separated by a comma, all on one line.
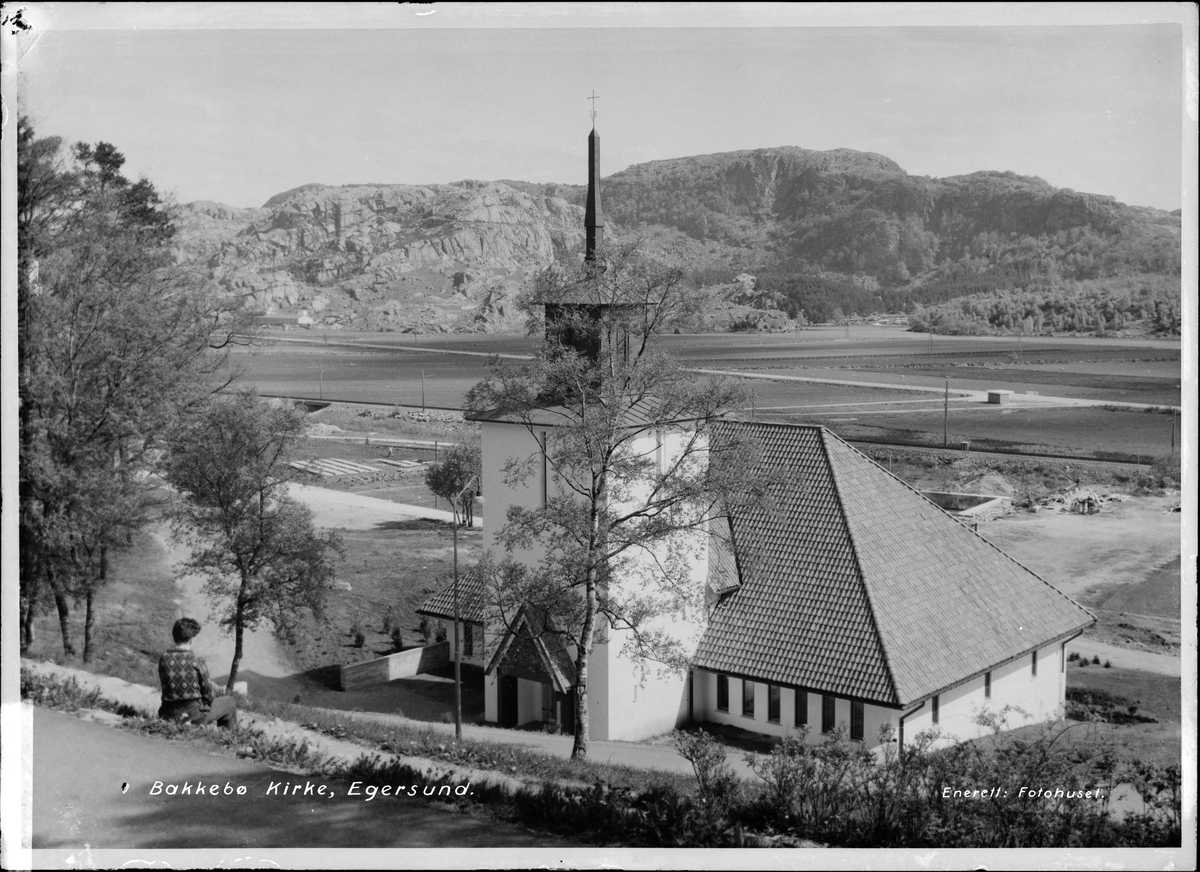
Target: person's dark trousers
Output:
[(223, 712)]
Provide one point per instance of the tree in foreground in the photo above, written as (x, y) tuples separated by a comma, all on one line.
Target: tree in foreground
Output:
[(115, 341), (256, 547), (450, 478), (613, 546)]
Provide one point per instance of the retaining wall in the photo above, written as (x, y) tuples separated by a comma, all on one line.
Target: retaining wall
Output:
[(404, 664)]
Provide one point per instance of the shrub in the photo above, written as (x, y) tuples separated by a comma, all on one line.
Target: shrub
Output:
[(426, 630), (718, 786), (1096, 659), (397, 639), (389, 619), (440, 634), (356, 630)]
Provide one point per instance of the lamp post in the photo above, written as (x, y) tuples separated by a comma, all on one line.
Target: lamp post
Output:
[(457, 644)]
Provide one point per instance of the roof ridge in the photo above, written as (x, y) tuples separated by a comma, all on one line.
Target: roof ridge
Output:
[(967, 529), (822, 432)]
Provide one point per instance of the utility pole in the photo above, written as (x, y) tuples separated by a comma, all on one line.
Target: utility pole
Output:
[(946, 417), (457, 642), (422, 390)]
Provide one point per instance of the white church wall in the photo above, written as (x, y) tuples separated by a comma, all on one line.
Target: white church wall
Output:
[(529, 701), (500, 444), (479, 652), (1034, 698), (621, 704), (636, 707), (491, 697), (598, 690)]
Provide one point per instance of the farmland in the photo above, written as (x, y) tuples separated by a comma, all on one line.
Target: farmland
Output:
[(866, 382)]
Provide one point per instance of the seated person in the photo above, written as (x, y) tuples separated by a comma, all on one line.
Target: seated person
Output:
[(187, 692)]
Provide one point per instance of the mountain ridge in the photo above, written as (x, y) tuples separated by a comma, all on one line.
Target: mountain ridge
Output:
[(454, 256)]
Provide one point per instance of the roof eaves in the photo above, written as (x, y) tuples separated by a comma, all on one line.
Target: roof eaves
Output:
[(1065, 637)]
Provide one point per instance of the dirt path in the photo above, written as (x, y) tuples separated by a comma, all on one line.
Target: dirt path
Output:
[(264, 661), (262, 656), (340, 510)]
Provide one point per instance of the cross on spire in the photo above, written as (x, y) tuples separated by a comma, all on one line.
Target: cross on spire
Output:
[(594, 98)]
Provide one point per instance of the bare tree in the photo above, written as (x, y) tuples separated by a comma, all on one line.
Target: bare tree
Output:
[(617, 537)]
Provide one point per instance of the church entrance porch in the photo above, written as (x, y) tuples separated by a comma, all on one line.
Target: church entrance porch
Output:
[(534, 676), (532, 702)]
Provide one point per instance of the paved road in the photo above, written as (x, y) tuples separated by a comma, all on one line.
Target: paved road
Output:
[(636, 754), (93, 786)]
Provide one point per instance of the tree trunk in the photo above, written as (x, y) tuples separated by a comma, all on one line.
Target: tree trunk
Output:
[(238, 630), (89, 621), (29, 602), (26, 626), (64, 611), (582, 722)]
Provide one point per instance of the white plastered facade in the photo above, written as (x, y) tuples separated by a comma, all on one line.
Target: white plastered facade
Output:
[(1031, 698), (627, 700)]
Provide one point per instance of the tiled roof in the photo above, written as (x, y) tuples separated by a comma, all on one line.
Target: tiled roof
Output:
[(472, 599), (533, 638), (855, 584)]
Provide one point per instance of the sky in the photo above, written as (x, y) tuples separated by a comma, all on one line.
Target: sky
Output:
[(441, 92)]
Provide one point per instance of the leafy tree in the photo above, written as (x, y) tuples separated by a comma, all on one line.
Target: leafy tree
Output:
[(115, 341), (450, 478), (255, 545), (619, 512)]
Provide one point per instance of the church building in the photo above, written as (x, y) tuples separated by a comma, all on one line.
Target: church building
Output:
[(847, 599)]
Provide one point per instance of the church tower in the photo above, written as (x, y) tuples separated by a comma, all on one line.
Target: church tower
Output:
[(578, 320), (593, 219)]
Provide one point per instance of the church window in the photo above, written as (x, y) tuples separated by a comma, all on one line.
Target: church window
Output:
[(936, 710), (722, 693), (773, 703), (801, 712), (748, 699), (827, 713), (856, 720)]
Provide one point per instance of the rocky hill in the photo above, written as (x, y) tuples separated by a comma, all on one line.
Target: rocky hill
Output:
[(453, 256), (404, 257)]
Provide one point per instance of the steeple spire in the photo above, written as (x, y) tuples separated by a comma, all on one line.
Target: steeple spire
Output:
[(593, 220)]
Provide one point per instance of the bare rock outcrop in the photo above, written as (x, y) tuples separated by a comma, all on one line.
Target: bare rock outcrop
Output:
[(392, 257)]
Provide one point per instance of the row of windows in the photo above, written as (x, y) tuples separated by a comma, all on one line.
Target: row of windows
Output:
[(800, 712), (800, 716)]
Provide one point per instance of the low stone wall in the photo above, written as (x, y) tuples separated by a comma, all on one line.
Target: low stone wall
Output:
[(403, 664)]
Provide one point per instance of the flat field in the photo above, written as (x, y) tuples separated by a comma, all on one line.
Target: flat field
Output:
[(1091, 431), (391, 368)]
